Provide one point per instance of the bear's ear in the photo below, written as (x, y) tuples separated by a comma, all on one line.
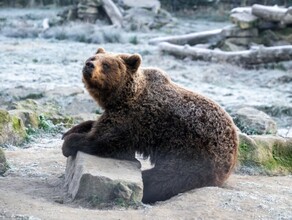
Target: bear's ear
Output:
[(133, 61), (100, 50)]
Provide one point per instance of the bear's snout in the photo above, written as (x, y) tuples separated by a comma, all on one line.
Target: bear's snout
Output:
[(87, 69)]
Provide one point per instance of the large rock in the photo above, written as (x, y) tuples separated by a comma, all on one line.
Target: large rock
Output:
[(88, 9), (228, 45), (146, 20), (234, 31), (244, 20), (148, 4), (12, 130), (30, 119), (103, 179), (265, 154), (35, 114), (3, 163), (252, 121)]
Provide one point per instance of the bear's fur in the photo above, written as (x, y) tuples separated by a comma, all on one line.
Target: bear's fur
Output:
[(189, 138)]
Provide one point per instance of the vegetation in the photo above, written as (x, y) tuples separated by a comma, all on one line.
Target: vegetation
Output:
[(28, 119), (271, 154)]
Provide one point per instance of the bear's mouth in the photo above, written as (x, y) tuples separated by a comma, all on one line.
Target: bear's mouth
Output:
[(87, 72)]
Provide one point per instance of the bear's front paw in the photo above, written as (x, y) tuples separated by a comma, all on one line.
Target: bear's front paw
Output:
[(68, 151), (69, 146)]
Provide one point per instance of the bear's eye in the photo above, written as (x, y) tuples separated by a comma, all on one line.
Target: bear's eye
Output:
[(105, 66)]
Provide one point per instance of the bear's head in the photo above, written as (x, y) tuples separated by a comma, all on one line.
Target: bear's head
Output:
[(106, 75)]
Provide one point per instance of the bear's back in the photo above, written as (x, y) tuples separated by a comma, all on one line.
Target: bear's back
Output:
[(174, 117)]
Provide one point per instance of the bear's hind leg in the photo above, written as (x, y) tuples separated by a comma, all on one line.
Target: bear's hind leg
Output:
[(170, 178)]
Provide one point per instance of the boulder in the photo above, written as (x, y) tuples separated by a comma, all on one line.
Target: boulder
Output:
[(12, 130), (244, 20), (265, 154), (235, 31), (3, 163), (105, 180), (228, 45), (30, 119), (242, 41), (252, 121), (88, 9), (147, 4), (146, 20), (34, 114)]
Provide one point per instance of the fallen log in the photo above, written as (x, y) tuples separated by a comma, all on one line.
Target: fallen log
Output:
[(211, 37), (254, 56), (113, 12), (273, 13)]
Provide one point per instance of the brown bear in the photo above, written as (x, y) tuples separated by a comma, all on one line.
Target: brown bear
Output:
[(190, 139)]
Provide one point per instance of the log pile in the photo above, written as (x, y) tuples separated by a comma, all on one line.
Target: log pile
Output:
[(259, 34)]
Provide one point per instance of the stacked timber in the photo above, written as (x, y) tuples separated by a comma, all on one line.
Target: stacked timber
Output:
[(259, 34)]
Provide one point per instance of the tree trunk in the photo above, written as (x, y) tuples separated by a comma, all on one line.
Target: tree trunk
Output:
[(273, 13), (243, 58)]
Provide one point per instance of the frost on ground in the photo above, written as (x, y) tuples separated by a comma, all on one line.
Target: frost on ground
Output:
[(33, 189), (50, 71)]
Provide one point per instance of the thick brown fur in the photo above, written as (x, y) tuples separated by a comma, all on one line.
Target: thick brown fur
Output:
[(189, 138)]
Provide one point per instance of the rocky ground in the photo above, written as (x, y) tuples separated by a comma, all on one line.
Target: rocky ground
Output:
[(49, 72)]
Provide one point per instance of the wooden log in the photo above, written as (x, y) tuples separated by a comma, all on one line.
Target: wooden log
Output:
[(113, 12), (273, 13), (287, 19), (210, 37), (254, 56)]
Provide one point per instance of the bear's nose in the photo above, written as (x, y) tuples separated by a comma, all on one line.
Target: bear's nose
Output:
[(89, 64)]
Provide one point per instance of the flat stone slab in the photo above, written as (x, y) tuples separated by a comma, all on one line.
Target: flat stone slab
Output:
[(104, 179), (244, 20), (151, 4)]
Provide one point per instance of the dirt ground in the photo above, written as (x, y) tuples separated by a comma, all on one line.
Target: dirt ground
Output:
[(33, 187)]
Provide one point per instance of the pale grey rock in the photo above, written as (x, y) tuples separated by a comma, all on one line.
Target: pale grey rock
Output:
[(3, 163), (252, 121), (235, 31), (148, 4), (87, 10), (241, 41), (107, 179), (244, 20), (229, 46), (146, 20)]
